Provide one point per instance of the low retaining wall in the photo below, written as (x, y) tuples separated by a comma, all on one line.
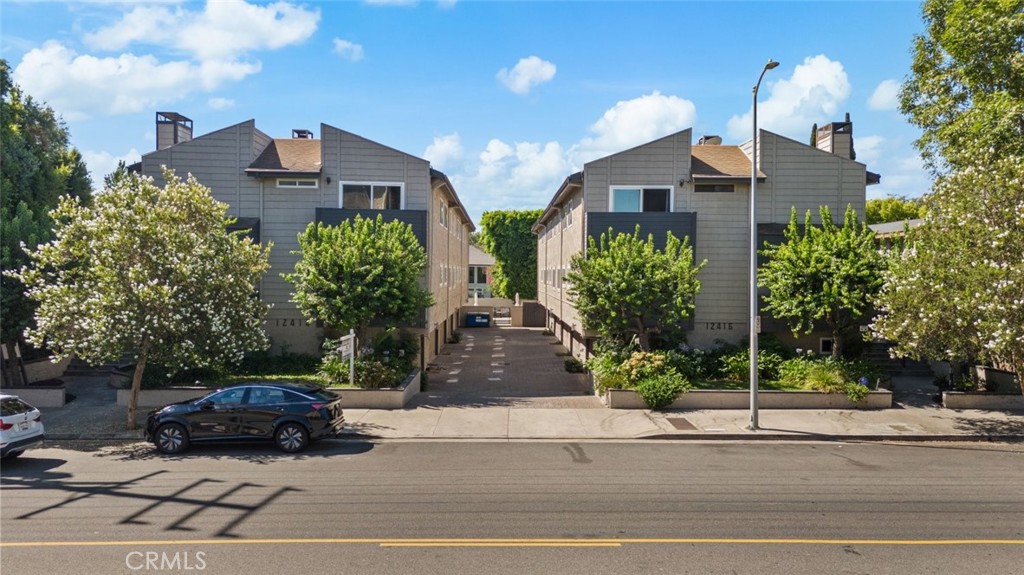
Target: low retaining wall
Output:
[(982, 400), (161, 397), (350, 397), (43, 369), (355, 398), (730, 399), (39, 396)]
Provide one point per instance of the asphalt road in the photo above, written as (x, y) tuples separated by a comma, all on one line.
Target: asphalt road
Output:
[(499, 507)]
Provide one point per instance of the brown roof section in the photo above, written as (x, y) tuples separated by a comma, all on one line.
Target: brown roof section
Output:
[(720, 163), (299, 156)]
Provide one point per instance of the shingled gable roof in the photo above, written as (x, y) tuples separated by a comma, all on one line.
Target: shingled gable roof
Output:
[(288, 157), (720, 163)]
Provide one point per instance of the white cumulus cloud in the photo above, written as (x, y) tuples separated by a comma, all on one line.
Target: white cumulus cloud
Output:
[(526, 74), (444, 150), (633, 122), (886, 96), (812, 94), (212, 47), (348, 50), (102, 163), (224, 29), (869, 148), (80, 85)]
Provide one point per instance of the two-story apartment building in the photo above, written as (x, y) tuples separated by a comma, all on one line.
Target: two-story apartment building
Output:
[(276, 186), (701, 191)]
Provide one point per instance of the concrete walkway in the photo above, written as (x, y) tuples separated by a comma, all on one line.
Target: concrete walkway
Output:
[(510, 384)]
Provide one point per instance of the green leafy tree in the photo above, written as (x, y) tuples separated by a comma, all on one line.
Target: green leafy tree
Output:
[(114, 178), (625, 287), (149, 271), (966, 87), (360, 271), (822, 273), (954, 291), (507, 236), (896, 209), (38, 166)]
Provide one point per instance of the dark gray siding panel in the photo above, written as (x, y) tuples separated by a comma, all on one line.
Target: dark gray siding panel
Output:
[(415, 218), (679, 223)]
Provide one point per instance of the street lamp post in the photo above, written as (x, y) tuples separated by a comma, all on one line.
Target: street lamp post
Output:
[(753, 256)]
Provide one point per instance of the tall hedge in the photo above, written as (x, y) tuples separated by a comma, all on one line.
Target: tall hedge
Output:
[(507, 237)]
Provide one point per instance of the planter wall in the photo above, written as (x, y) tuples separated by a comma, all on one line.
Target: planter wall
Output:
[(713, 399), (161, 397), (997, 380), (982, 400), (43, 369), (395, 398), (39, 396)]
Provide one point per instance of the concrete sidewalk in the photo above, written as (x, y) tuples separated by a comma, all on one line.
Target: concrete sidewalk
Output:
[(92, 415)]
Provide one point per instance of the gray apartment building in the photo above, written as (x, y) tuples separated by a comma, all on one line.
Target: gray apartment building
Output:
[(701, 191), (276, 186)]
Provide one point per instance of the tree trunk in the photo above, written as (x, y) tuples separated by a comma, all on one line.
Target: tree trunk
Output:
[(642, 336), (837, 339), (133, 399)]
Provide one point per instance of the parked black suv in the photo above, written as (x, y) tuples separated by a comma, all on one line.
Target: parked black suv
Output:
[(290, 414)]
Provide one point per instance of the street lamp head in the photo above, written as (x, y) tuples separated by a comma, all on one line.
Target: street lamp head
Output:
[(771, 65)]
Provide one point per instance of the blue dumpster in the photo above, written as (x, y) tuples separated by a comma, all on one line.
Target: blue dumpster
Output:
[(478, 319)]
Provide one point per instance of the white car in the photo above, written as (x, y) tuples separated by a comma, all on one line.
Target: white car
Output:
[(21, 426)]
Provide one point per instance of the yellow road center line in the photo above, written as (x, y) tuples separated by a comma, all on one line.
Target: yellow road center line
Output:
[(510, 542)]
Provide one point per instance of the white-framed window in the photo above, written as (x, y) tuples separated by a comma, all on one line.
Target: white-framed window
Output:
[(567, 216), (298, 183), (443, 214), (372, 195), (640, 198)]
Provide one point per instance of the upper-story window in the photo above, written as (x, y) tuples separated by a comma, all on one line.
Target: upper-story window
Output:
[(298, 183), (371, 195), (714, 188), (443, 214), (636, 199)]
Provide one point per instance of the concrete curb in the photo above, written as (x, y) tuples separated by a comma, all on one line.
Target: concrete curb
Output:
[(353, 436)]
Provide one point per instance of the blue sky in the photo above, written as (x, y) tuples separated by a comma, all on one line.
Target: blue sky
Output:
[(507, 98)]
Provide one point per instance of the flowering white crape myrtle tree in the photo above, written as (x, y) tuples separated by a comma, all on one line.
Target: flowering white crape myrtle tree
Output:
[(955, 290), (149, 271)]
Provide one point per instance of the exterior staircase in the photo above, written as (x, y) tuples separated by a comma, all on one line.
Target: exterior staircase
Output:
[(877, 353)]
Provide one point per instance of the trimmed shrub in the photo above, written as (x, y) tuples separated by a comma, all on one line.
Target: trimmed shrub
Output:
[(573, 365), (661, 390)]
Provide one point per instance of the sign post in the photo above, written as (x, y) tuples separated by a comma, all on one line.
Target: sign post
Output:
[(347, 348)]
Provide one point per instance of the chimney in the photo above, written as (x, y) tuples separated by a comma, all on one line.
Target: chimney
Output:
[(172, 128), (301, 134), (837, 138)]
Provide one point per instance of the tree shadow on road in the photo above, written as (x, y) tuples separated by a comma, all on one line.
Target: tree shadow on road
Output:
[(257, 453)]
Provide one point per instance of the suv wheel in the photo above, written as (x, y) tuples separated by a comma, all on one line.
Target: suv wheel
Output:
[(171, 438), (291, 437)]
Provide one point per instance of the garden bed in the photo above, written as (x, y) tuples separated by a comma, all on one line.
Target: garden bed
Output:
[(735, 399), (386, 398)]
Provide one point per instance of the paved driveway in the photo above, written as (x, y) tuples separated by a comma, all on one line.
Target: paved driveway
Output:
[(505, 366)]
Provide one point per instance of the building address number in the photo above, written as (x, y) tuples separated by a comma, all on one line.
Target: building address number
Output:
[(287, 322), (718, 326)]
